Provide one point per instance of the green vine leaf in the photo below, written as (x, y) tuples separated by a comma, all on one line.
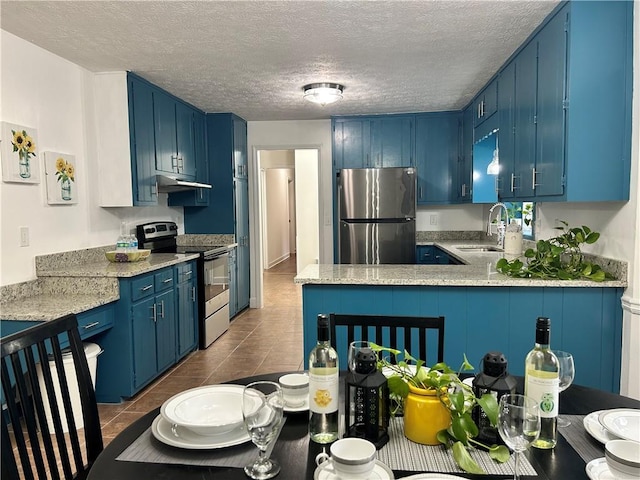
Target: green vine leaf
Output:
[(464, 460)]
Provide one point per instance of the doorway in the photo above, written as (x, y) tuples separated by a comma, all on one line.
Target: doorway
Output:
[(289, 222)]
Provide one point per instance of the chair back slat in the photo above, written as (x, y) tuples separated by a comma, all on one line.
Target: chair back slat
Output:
[(397, 332), (36, 385)]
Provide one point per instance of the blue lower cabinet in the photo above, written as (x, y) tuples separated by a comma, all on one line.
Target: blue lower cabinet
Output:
[(433, 255), (584, 321), (156, 325)]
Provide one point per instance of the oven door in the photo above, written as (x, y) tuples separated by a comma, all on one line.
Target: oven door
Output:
[(216, 298)]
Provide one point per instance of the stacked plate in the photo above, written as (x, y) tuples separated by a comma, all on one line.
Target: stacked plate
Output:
[(202, 418), (607, 425)]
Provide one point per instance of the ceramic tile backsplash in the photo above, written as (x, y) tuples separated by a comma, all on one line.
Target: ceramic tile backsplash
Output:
[(205, 240)]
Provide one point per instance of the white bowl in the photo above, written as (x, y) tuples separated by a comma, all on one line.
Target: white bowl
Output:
[(623, 456), (209, 410)]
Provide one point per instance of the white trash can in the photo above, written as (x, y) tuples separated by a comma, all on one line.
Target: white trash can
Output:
[(91, 350)]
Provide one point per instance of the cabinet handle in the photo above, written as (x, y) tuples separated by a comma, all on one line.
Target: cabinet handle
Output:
[(167, 280), (420, 192), (154, 189), (193, 294), (187, 273), (464, 190), (161, 308), (174, 162), (533, 179), (513, 182), (145, 288), (496, 184), (91, 325), (180, 165), (155, 313), (483, 108)]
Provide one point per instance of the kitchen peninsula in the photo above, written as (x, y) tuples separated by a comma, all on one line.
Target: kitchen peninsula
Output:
[(483, 309)]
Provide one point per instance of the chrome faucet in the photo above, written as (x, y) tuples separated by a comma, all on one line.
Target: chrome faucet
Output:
[(500, 226)]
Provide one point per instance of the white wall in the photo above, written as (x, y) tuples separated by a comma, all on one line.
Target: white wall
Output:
[(277, 213), (307, 200), (55, 97)]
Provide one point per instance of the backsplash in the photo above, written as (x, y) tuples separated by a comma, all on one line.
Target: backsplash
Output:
[(205, 240), (54, 261)]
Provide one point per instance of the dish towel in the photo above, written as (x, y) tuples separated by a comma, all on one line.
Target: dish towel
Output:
[(147, 449), (400, 453), (582, 442)]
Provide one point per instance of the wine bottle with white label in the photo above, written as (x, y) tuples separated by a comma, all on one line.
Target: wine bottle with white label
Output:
[(323, 387), (541, 381)]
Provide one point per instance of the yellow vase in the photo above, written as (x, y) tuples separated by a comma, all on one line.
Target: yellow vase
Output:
[(424, 416)]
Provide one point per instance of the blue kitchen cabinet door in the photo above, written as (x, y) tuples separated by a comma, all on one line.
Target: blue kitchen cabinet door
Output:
[(198, 197), (233, 284), (242, 238), (437, 143), (185, 142), (486, 103), (142, 142), (351, 143), (506, 133), (550, 114), (166, 329), (464, 179), (240, 161), (164, 122), (424, 254), (143, 327), (391, 141), (524, 119), (187, 310)]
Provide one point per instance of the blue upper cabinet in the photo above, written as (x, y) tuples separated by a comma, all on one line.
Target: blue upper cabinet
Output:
[(373, 142), (142, 146), (392, 141), (186, 154), (164, 117), (463, 186), (485, 103), (437, 152), (572, 108)]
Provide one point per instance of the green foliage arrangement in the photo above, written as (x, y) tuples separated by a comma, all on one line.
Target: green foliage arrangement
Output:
[(557, 258), (457, 396)]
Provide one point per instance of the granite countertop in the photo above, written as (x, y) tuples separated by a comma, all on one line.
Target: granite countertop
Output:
[(104, 268), (480, 271), (46, 307)]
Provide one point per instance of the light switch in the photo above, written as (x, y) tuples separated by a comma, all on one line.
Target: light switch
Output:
[(433, 219), (24, 236)]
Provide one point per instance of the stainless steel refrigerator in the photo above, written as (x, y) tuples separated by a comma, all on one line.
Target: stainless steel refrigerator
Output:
[(377, 212)]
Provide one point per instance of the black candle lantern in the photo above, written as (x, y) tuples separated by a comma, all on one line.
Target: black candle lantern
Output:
[(367, 400), (494, 379)]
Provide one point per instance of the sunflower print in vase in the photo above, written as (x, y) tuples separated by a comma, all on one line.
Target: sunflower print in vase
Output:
[(65, 174), (26, 148)]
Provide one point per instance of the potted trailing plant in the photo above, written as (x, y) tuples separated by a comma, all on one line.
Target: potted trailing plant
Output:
[(558, 258), (409, 376)]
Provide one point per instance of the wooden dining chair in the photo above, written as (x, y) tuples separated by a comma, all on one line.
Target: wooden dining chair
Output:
[(29, 389), (392, 331)]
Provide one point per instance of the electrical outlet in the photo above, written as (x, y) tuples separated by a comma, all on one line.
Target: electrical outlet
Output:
[(433, 219), (24, 236)]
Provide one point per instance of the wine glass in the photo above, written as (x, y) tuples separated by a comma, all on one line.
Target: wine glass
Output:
[(262, 405), (518, 424), (354, 348), (567, 371)]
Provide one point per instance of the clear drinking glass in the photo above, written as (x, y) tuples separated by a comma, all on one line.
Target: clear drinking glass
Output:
[(354, 348), (262, 406), (567, 373), (518, 424)]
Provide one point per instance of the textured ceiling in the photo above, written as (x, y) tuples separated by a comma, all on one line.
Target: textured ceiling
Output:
[(253, 57)]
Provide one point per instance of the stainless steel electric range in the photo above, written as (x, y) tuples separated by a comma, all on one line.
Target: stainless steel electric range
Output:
[(213, 276)]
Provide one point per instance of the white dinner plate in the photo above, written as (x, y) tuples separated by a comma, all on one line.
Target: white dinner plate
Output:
[(598, 469), (177, 436), (433, 476), (622, 422), (380, 472), (594, 428)]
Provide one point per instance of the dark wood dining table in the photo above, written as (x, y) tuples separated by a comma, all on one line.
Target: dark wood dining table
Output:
[(296, 453)]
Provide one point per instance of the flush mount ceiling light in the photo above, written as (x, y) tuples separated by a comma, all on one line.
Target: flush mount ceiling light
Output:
[(323, 93)]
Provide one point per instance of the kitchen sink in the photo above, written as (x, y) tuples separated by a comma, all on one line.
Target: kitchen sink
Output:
[(479, 248)]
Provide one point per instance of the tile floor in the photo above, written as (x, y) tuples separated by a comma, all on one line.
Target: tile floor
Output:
[(258, 341)]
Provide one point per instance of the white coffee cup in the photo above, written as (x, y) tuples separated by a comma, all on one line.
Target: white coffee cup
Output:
[(295, 389), (351, 458)]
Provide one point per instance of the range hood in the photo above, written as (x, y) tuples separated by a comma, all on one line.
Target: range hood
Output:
[(167, 184)]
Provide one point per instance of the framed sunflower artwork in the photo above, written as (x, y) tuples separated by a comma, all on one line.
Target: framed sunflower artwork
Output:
[(60, 172), (20, 159)]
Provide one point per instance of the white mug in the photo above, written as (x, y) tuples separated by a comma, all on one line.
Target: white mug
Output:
[(351, 458), (295, 389)]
